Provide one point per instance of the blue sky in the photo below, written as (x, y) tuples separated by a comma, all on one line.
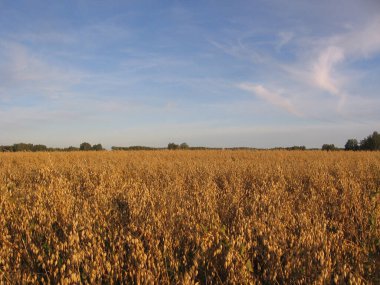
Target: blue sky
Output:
[(214, 73)]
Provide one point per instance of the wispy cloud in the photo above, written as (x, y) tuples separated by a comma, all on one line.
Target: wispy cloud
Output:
[(22, 69), (284, 39), (106, 68), (320, 65), (324, 68), (356, 44), (271, 97), (361, 42), (239, 50)]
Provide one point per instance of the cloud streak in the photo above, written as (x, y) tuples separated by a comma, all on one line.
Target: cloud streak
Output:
[(105, 68), (24, 73), (324, 74), (321, 65), (271, 97), (338, 50)]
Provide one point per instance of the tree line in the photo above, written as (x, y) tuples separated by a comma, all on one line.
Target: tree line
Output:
[(17, 147), (171, 146), (371, 142)]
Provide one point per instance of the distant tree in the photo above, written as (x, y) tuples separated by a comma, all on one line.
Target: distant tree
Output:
[(71, 148), (173, 146), (372, 142), (297, 147), (198, 148), (85, 146), (184, 146), (351, 144), (97, 147), (23, 147), (6, 148), (328, 147), (139, 147), (39, 147)]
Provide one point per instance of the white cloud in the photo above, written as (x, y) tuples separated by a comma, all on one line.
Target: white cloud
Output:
[(356, 44), (326, 64), (271, 97), (313, 66), (323, 69)]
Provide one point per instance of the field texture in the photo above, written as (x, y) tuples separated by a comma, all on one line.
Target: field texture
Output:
[(180, 217)]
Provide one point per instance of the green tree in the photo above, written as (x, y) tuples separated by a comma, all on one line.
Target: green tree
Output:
[(97, 147), (351, 144), (184, 146), (296, 147), (22, 147), (328, 147), (372, 142), (39, 147), (85, 146), (173, 146)]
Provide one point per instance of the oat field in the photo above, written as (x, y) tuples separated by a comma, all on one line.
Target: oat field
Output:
[(185, 217)]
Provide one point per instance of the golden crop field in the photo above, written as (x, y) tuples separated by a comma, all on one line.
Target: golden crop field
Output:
[(181, 217)]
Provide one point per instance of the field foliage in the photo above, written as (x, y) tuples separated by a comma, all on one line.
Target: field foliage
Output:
[(179, 217)]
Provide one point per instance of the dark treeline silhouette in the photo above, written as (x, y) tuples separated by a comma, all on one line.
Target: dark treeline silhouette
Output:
[(352, 144), (176, 146), (329, 147), (17, 147), (86, 146), (204, 148), (371, 142), (296, 147), (171, 146), (135, 147)]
